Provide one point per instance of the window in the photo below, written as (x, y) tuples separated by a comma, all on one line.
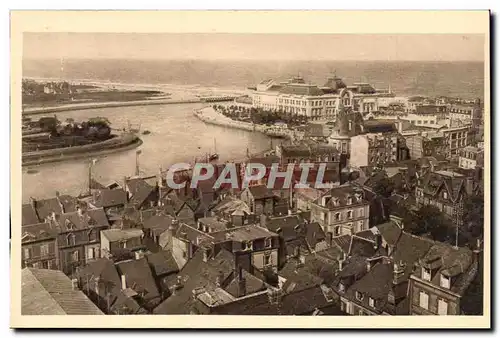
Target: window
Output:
[(361, 212), (445, 195), (336, 231), (70, 239), (92, 235), (424, 300), (27, 253), (444, 282), (337, 216), (44, 250), (267, 259), (344, 307), (91, 253), (349, 200), (247, 245), (75, 256), (442, 307), (371, 302), (426, 274), (123, 244), (349, 214), (269, 242), (341, 287), (359, 296)]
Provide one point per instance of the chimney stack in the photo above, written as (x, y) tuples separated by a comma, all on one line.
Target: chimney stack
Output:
[(399, 271), (241, 282), (263, 219), (124, 282), (74, 284)]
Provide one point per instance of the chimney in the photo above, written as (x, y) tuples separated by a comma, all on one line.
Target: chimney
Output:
[(263, 219), (399, 271), (378, 241), (469, 185), (74, 284), (341, 263), (205, 255), (241, 283), (124, 282), (33, 202), (219, 279), (139, 255), (96, 281)]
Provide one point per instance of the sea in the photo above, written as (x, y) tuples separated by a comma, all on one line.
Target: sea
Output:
[(178, 136), (454, 79)]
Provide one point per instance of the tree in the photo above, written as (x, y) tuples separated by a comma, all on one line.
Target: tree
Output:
[(473, 224), (383, 187), (429, 220)]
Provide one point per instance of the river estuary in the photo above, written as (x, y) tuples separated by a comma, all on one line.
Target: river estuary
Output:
[(176, 136)]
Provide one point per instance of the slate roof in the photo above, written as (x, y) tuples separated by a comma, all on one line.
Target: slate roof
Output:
[(301, 89), (162, 263), (338, 197), (196, 274), (29, 215), (261, 192), (247, 233), (89, 218), (314, 234), (139, 191), (140, 279), (115, 235), (433, 181), (230, 205), (252, 284), (288, 227), (46, 207), (38, 231), (107, 198), (158, 223), (50, 292)]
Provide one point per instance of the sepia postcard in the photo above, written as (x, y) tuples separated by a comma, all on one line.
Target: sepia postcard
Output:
[(250, 169)]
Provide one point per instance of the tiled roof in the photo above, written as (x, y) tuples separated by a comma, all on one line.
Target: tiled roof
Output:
[(289, 227), (87, 219), (230, 204), (139, 190), (248, 233), (46, 207), (252, 284), (339, 196), (314, 234), (158, 222), (50, 292)]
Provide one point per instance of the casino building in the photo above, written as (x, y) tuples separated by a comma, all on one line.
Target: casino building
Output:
[(295, 96)]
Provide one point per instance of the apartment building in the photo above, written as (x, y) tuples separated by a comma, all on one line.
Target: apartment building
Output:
[(377, 149)]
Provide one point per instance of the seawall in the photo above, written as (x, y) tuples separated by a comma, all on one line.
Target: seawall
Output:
[(119, 143)]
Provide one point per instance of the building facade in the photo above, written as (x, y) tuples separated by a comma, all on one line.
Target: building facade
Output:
[(470, 158), (39, 247), (342, 210), (377, 149), (297, 97)]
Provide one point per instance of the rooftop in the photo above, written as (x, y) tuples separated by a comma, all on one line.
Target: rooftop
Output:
[(115, 235)]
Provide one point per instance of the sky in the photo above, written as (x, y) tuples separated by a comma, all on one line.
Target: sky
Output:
[(418, 47)]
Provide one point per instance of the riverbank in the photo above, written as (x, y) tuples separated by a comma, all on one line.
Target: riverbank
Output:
[(120, 143)]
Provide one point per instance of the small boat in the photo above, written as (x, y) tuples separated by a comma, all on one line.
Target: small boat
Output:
[(146, 132), (32, 171)]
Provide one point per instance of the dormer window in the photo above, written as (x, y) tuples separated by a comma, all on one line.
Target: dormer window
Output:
[(359, 296), (70, 239), (349, 200), (444, 281), (269, 242), (426, 274), (247, 245), (349, 214), (371, 302), (341, 287)]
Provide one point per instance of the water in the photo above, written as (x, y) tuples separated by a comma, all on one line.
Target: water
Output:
[(460, 79), (176, 136)]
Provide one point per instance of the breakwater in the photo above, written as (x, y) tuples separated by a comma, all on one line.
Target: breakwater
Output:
[(97, 105), (119, 143)]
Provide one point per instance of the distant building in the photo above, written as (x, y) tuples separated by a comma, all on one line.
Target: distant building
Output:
[(455, 139), (259, 199), (117, 241), (466, 112), (341, 210), (297, 97), (377, 149), (470, 158)]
